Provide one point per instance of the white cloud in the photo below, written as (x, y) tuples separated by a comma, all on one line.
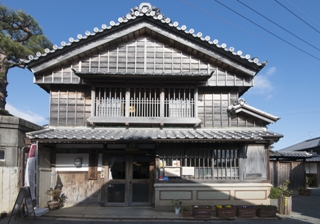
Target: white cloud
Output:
[(262, 83), (26, 115)]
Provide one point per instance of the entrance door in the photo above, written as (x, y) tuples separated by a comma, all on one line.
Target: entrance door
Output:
[(130, 179)]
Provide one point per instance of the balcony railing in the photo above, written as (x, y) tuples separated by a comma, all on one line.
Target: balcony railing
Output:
[(138, 105), (115, 107)]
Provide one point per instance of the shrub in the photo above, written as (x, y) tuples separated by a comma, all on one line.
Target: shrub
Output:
[(275, 193)]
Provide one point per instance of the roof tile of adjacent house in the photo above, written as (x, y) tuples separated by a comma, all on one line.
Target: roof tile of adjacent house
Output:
[(145, 9), (305, 145)]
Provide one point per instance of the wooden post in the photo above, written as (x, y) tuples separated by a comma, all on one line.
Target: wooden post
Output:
[(285, 205)]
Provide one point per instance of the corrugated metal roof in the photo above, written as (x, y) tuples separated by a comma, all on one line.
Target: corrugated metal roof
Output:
[(145, 9), (305, 145), (112, 134)]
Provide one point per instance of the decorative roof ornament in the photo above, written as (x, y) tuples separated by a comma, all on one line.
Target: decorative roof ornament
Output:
[(241, 106)]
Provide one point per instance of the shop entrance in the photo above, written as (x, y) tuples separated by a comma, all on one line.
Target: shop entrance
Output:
[(130, 179)]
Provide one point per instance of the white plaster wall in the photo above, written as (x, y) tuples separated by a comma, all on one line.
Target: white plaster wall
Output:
[(211, 194)]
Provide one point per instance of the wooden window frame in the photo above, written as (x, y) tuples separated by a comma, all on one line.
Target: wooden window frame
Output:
[(209, 164)]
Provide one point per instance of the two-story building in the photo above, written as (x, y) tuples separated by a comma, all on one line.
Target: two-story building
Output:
[(143, 111)]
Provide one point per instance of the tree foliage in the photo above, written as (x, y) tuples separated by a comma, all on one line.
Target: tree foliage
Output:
[(20, 37)]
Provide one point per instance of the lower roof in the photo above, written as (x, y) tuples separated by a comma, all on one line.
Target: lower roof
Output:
[(72, 135)]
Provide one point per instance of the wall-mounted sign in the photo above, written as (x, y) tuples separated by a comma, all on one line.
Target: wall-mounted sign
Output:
[(176, 163), (187, 171), (172, 171)]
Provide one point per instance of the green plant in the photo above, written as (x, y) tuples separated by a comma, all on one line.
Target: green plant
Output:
[(309, 180), (185, 209), (275, 193), (176, 202), (302, 189), (284, 189), (267, 207)]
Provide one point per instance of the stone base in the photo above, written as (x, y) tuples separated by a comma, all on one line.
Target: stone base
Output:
[(40, 211)]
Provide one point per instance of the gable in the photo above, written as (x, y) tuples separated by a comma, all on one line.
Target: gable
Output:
[(150, 22), (144, 55)]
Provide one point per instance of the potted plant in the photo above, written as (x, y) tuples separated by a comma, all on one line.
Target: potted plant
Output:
[(266, 211), (274, 195), (225, 211), (201, 211), (246, 211), (304, 191), (58, 199), (285, 199), (308, 181), (186, 212), (176, 203)]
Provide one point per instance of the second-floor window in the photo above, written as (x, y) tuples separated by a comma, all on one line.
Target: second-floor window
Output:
[(144, 102)]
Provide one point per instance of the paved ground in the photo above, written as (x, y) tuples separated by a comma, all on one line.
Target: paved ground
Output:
[(304, 210)]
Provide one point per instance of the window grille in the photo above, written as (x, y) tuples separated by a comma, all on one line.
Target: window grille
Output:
[(179, 102), (144, 102), (110, 102), (208, 164)]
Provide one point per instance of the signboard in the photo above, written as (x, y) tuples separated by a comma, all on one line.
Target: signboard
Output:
[(176, 163), (172, 171), (93, 164), (187, 171), (23, 205)]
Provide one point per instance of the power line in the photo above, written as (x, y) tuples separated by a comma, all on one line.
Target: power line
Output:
[(249, 32), (303, 12), (297, 16), (278, 25), (267, 30)]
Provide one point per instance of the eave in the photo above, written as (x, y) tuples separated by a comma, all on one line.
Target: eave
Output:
[(107, 76), (242, 107), (104, 135)]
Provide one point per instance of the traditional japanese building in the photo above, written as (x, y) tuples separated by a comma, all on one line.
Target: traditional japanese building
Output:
[(143, 111)]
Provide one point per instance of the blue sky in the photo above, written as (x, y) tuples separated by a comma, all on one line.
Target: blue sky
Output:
[(286, 33)]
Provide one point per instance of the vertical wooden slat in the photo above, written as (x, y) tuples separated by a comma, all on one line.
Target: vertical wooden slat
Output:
[(67, 107), (127, 102), (117, 60), (99, 60)]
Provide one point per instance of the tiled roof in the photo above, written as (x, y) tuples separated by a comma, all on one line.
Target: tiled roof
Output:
[(314, 158), (305, 145), (302, 154), (242, 106), (145, 9), (112, 134)]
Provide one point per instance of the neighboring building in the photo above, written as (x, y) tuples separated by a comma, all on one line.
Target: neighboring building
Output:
[(144, 111), (297, 162), (310, 145), (12, 136)]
